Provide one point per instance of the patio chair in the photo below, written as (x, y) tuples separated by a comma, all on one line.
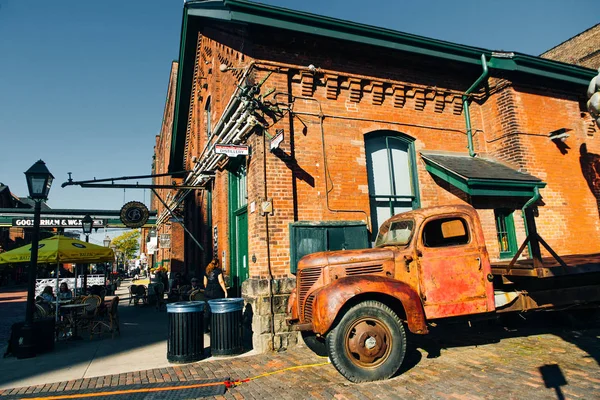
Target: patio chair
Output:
[(197, 295), (159, 291), (132, 290), (140, 294), (109, 320), (183, 290), (92, 304), (39, 312)]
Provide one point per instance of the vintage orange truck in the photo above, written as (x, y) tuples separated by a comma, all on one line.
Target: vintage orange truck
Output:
[(426, 265)]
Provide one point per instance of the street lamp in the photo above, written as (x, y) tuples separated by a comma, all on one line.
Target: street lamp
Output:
[(115, 252), (87, 224), (39, 181), (106, 241)]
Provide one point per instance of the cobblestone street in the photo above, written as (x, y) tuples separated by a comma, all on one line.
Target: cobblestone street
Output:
[(541, 358)]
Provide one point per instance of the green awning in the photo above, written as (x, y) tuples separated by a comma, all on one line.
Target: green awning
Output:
[(478, 176)]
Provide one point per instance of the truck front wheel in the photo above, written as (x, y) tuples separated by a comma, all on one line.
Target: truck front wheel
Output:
[(368, 344)]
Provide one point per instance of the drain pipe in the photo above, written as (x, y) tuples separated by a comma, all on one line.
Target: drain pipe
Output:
[(530, 202), (465, 99)]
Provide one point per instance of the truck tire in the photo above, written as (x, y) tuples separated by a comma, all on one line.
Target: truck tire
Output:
[(368, 343), (316, 344)]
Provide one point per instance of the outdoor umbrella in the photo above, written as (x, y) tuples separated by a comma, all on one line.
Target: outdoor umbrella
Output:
[(60, 249)]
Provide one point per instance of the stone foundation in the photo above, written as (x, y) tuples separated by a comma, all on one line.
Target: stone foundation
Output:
[(259, 315)]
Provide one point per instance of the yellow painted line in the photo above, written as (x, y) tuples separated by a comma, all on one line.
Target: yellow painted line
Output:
[(128, 391)]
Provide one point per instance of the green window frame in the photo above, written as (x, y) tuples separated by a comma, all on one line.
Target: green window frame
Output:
[(392, 178), (505, 231)]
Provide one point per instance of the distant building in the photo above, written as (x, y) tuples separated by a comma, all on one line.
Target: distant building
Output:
[(582, 49), (165, 243), (12, 237)]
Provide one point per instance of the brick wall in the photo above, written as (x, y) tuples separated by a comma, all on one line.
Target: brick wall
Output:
[(582, 49), (319, 171)]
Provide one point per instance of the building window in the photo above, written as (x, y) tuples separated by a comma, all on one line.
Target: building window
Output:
[(505, 228), (392, 177), (208, 119)]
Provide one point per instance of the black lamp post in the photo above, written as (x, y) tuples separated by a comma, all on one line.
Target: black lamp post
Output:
[(87, 224), (39, 181), (114, 247)]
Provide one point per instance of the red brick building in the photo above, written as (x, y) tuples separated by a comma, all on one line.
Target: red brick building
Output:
[(582, 49), (168, 253), (344, 125)]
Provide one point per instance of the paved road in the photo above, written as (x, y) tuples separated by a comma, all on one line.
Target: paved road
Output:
[(542, 358)]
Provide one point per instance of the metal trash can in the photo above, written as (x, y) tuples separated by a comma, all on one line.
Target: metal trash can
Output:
[(226, 326), (186, 331)]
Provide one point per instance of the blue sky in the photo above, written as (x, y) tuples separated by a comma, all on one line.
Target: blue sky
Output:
[(83, 83)]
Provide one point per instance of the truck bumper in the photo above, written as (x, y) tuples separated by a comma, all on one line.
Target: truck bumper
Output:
[(296, 326)]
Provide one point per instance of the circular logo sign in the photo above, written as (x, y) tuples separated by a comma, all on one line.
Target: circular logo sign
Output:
[(78, 245), (134, 214)]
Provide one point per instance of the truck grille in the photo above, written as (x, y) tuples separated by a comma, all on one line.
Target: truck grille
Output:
[(308, 308), (308, 277), (363, 269)]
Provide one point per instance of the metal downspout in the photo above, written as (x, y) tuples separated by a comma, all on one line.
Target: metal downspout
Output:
[(536, 197), (465, 99)]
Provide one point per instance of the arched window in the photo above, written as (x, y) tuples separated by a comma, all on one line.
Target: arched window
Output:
[(392, 175)]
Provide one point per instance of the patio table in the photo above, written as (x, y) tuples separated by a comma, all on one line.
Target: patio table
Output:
[(72, 312)]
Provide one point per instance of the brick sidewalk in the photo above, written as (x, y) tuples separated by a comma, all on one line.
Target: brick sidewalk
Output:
[(483, 362)]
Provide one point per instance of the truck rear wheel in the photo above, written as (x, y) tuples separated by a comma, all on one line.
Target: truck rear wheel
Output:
[(368, 344), (316, 344)]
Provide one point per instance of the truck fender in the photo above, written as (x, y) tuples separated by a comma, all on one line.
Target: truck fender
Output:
[(330, 300)]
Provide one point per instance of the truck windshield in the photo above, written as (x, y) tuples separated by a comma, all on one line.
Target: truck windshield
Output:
[(396, 233)]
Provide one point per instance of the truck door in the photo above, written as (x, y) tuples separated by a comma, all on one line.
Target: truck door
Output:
[(452, 280)]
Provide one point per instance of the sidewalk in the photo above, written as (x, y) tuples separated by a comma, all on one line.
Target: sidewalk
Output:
[(141, 346), (535, 359)]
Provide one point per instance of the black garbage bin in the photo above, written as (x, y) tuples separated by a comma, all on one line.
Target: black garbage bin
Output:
[(43, 337), (226, 326), (186, 331)]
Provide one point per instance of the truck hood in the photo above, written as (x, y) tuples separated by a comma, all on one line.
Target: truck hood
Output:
[(344, 257)]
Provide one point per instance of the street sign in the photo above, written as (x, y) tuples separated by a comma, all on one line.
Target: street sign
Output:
[(232, 150), (55, 222), (277, 139)]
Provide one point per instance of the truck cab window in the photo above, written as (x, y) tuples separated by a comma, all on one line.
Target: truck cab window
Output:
[(396, 233), (445, 232)]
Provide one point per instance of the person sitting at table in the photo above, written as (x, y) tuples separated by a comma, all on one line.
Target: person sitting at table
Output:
[(47, 295), (64, 293), (195, 286)]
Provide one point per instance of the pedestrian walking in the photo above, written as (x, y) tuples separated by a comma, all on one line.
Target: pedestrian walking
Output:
[(214, 285), (214, 288)]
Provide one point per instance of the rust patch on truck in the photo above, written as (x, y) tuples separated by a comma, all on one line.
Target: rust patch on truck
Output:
[(330, 300)]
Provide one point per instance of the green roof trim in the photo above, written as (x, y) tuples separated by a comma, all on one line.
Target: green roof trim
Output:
[(246, 12), (484, 186)]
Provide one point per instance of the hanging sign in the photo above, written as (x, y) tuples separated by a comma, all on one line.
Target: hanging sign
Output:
[(232, 150), (277, 139), (164, 241), (152, 245), (55, 222), (134, 214)]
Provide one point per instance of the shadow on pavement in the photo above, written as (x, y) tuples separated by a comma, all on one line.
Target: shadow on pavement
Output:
[(582, 331), (141, 345)]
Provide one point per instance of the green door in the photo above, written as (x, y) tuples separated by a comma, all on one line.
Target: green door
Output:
[(238, 227)]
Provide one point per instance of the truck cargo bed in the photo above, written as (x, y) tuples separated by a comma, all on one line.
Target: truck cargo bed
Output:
[(575, 264)]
